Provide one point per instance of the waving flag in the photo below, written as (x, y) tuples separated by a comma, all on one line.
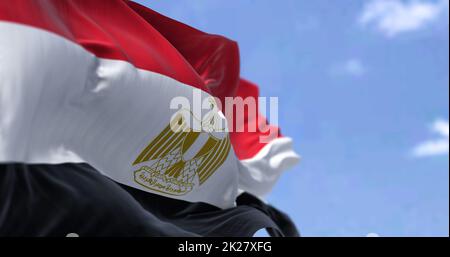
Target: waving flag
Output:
[(92, 82)]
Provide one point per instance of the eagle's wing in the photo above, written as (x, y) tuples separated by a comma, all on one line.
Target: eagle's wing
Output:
[(170, 138), (217, 153)]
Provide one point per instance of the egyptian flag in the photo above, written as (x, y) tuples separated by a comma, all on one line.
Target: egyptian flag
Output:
[(93, 140)]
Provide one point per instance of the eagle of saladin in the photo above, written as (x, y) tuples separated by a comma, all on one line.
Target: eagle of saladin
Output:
[(178, 158)]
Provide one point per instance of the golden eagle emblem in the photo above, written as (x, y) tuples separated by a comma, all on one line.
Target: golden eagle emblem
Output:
[(178, 159)]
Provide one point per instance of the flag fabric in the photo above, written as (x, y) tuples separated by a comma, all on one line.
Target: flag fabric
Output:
[(60, 199), (92, 82)]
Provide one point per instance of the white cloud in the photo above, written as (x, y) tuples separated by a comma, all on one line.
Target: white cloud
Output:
[(441, 127), (353, 67), (393, 17), (439, 146)]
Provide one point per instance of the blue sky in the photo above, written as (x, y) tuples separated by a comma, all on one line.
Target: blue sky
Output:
[(364, 91)]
